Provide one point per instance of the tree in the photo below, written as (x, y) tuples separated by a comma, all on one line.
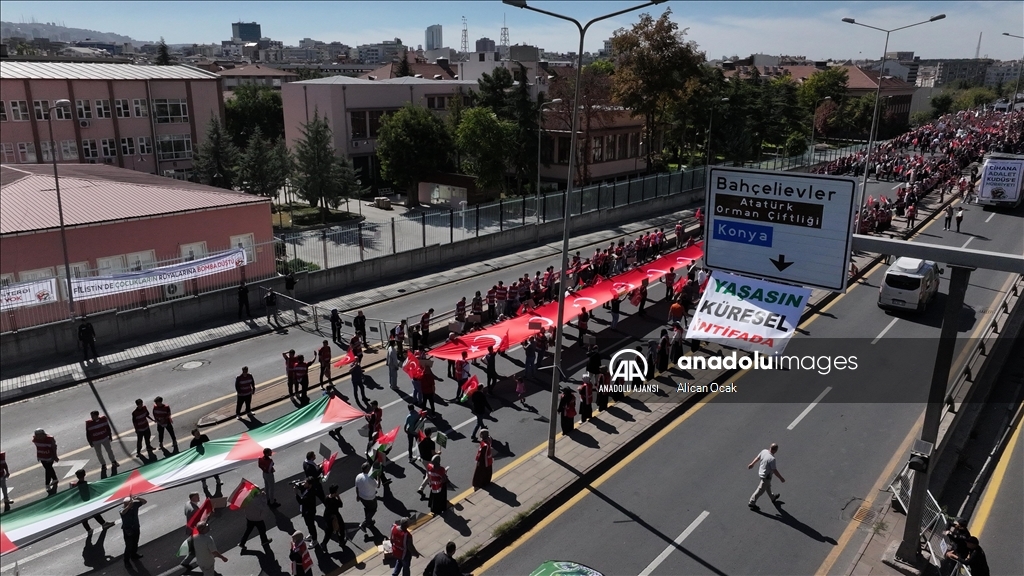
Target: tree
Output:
[(163, 54), (412, 144), (975, 97), (942, 103), (252, 107), (264, 166), (323, 179), (454, 119), (857, 113), (523, 136), (216, 160), (921, 117), (403, 69), (825, 118), (654, 63), (484, 142), (595, 112), (828, 82), (493, 92), (308, 73)]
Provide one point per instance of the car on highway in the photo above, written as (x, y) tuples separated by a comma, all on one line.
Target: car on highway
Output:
[(909, 284)]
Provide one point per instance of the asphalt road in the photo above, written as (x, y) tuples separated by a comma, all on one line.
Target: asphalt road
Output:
[(681, 506), (195, 392)]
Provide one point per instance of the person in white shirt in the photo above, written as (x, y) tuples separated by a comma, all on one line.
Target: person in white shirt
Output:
[(206, 550), (765, 471), (366, 494)]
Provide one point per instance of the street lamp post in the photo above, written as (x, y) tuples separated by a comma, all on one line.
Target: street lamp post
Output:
[(556, 369), (711, 121), (814, 116), (64, 105), (540, 130), (1020, 66), (878, 91)]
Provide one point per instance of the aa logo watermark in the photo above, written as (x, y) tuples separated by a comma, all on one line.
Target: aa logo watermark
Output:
[(629, 365)]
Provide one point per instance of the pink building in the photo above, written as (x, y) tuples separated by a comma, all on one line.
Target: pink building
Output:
[(145, 118), (118, 221)]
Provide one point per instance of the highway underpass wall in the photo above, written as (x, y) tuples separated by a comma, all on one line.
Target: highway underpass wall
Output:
[(191, 313)]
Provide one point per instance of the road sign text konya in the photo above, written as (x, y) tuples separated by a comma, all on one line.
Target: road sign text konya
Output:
[(794, 228)]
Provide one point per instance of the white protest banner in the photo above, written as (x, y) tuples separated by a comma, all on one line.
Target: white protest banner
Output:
[(98, 286), (29, 293), (748, 314), (1002, 179)]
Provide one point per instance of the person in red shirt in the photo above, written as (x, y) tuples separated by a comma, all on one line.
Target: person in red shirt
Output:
[(97, 433), (484, 461), (140, 419), (266, 464), (245, 387), (402, 548), (162, 417), (324, 356), (289, 364), (46, 454)]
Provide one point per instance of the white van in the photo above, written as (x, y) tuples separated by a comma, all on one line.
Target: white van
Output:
[(909, 284)]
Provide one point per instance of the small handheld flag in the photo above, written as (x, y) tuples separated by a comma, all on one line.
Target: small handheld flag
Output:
[(242, 495), (348, 358)]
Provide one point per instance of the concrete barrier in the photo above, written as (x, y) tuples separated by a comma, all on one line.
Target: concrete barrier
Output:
[(190, 312)]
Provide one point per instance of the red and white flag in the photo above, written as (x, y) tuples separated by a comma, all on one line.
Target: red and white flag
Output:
[(325, 468), (504, 344), (348, 358), (412, 366), (200, 515), (469, 387), (242, 495)]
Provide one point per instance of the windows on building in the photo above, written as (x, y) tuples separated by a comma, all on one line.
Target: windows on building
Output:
[(69, 149), (373, 119), (84, 109), (141, 260), (174, 147), (3, 111), (110, 265), (623, 140), (597, 149), (245, 242), (563, 150), (44, 146), (609, 149), (90, 149), (127, 146), (42, 109), (19, 111), (26, 152), (37, 274), (8, 152), (193, 251), (357, 120), (61, 112), (145, 145), (123, 108), (103, 109), (170, 111), (141, 107), (436, 102), (109, 147)]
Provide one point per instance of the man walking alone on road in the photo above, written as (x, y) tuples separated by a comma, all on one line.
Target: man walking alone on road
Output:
[(243, 300), (46, 454), (245, 386), (765, 471)]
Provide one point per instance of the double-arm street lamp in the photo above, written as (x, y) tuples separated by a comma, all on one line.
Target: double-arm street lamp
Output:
[(540, 130), (878, 90), (1020, 66), (66, 106), (814, 119), (556, 369)]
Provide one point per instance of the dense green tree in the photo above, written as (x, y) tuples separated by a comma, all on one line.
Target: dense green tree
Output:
[(264, 166), (456, 110), (857, 113), (322, 178), (523, 137), (403, 69), (826, 118), (163, 54), (828, 82), (411, 145), (216, 160), (251, 107), (306, 73), (484, 141), (942, 103), (654, 63), (492, 92), (974, 97)]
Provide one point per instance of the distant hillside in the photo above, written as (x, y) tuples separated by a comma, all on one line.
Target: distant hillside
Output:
[(55, 32)]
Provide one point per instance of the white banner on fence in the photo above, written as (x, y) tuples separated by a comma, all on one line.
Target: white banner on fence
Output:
[(28, 293), (748, 314), (98, 286)]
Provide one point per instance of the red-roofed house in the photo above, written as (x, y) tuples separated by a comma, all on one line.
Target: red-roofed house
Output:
[(118, 221), (255, 74)]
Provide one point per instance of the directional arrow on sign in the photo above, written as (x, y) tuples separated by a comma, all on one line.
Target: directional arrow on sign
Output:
[(76, 465), (781, 263)]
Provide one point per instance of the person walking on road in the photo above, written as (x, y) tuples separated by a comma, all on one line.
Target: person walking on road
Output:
[(948, 218), (765, 470), (444, 563), (270, 303), (98, 434), (481, 408), (567, 410), (87, 339), (358, 387), (581, 322), (306, 497), (206, 550), (359, 326), (437, 478), (402, 548), (86, 494), (587, 396), (911, 216), (162, 417), (335, 524), (323, 355), (243, 300), (266, 464), (428, 388), (484, 461), (959, 217), (130, 528), (245, 387), (254, 513), (425, 329), (198, 439), (302, 563), (411, 427), (5, 473), (140, 419), (335, 326), (289, 370), (300, 372), (191, 507), (366, 494), (492, 372), (312, 471), (393, 363)]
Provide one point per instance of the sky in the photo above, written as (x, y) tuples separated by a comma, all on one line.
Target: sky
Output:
[(813, 29)]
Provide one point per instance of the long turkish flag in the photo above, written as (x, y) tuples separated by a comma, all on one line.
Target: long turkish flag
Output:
[(516, 330)]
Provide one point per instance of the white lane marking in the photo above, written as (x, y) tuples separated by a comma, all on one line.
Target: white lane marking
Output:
[(808, 409), (897, 186), (76, 465), (989, 217), (679, 540), (63, 544), (884, 330), (966, 243)]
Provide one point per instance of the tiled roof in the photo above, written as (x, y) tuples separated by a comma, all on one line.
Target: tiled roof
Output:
[(93, 194), (257, 70), (98, 71), (859, 79), (390, 69), (335, 80), (412, 80)]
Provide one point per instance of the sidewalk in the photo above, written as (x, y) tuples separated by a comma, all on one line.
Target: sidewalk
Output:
[(43, 378)]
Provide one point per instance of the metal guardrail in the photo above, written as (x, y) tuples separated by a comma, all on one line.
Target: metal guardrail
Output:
[(934, 521)]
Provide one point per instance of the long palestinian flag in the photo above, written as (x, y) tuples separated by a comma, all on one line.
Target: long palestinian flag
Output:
[(38, 520)]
